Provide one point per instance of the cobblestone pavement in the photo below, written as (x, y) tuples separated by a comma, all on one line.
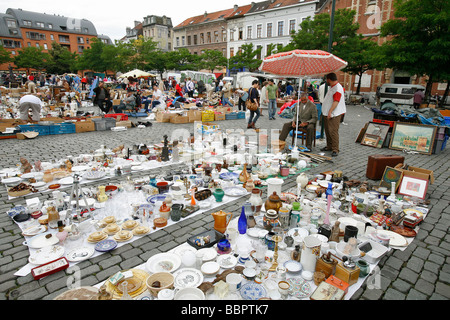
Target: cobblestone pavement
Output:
[(420, 272)]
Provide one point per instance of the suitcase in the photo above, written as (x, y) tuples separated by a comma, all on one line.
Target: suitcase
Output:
[(378, 163)]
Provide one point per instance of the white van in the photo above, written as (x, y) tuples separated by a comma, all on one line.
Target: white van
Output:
[(398, 93)]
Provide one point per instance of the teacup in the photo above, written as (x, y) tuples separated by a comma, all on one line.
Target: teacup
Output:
[(283, 288)]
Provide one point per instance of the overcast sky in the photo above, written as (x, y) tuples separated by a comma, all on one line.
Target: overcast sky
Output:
[(112, 17)]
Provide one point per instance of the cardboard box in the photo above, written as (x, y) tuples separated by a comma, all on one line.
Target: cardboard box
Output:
[(126, 123), (194, 115), (116, 102), (419, 173), (207, 116), (84, 126), (177, 118), (163, 117), (219, 116)]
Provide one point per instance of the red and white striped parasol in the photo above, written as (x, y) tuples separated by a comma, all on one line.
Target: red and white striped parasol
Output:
[(302, 63)]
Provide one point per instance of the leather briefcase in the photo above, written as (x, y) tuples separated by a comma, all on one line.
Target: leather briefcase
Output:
[(378, 163)]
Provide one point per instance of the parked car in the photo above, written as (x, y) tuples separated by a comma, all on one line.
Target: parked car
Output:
[(398, 93)]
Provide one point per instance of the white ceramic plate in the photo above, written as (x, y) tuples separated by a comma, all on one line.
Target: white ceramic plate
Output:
[(80, 168), (80, 254), (11, 180), (227, 261), (93, 175), (208, 254), (34, 230), (40, 184), (210, 268), (28, 175), (179, 251), (301, 232), (187, 278), (163, 262), (46, 254), (253, 232), (66, 181), (235, 191), (396, 239), (312, 188)]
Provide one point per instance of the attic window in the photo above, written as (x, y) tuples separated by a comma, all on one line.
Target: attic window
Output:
[(277, 5), (63, 27), (239, 12), (221, 16), (191, 22)]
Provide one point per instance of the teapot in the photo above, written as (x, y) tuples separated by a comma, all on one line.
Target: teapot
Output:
[(220, 220), (273, 202)]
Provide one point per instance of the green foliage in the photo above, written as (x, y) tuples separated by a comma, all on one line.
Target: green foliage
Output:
[(60, 60), (182, 59), (419, 40), (246, 58), (5, 55), (31, 58), (211, 60)]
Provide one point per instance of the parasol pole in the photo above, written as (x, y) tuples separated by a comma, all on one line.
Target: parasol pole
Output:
[(298, 109)]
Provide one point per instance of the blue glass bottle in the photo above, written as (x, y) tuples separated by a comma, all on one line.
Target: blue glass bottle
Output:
[(242, 222)]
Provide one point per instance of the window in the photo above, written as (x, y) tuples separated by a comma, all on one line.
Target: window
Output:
[(231, 52), (202, 38), (409, 90), (50, 26), (87, 40), (80, 40), (269, 50), (259, 31), (27, 23), (224, 35), (259, 54), (189, 40), (37, 45), (35, 35), (169, 46), (11, 44), (216, 36), (195, 39), (11, 24), (29, 44), (178, 41), (85, 30), (208, 36), (224, 52), (64, 39), (291, 26), (241, 34), (45, 46), (249, 32), (52, 37), (40, 25), (231, 35), (269, 30), (391, 90), (80, 49), (183, 41), (280, 28)]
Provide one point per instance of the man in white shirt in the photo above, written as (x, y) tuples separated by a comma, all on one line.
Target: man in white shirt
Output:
[(156, 97), (333, 109), (32, 102), (190, 87)]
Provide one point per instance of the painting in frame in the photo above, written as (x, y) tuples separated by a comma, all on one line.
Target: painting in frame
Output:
[(413, 187), (391, 175), (370, 140), (413, 137), (378, 129)]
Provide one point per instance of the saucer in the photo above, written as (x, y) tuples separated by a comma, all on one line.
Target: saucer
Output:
[(130, 224), (123, 236), (97, 236), (141, 230), (111, 229)]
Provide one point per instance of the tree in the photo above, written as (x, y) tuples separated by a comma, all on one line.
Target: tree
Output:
[(313, 34), (60, 60), (359, 52), (212, 60), (142, 52), (31, 58), (5, 55), (182, 59), (91, 59), (246, 58), (419, 40)]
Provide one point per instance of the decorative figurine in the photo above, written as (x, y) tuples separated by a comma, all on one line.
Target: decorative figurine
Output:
[(165, 150), (26, 166)]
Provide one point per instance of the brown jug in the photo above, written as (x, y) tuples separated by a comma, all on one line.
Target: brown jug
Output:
[(220, 220), (244, 176), (273, 202)]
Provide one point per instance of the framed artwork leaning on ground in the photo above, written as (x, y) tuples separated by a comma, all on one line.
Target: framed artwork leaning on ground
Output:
[(413, 137)]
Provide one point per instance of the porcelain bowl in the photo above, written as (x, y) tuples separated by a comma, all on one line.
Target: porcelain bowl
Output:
[(190, 294)]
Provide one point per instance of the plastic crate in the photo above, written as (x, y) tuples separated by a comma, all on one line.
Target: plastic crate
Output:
[(241, 115), (447, 121), (42, 130), (232, 116), (62, 128), (122, 116), (390, 123), (387, 117)]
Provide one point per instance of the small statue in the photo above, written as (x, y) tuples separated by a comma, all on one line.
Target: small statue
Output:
[(26, 166), (119, 149), (38, 166), (165, 150), (335, 230), (68, 165)]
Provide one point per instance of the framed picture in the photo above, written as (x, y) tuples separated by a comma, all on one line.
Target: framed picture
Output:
[(413, 187), (413, 137), (378, 129), (391, 175), (370, 140), (361, 133)]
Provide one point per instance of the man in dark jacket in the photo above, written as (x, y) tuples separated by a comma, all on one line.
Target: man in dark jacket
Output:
[(102, 97)]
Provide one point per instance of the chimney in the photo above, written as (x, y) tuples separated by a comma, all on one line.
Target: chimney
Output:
[(136, 23), (205, 14), (236, 7)]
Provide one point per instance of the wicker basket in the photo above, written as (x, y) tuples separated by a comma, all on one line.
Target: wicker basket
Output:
[(165, 278)]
